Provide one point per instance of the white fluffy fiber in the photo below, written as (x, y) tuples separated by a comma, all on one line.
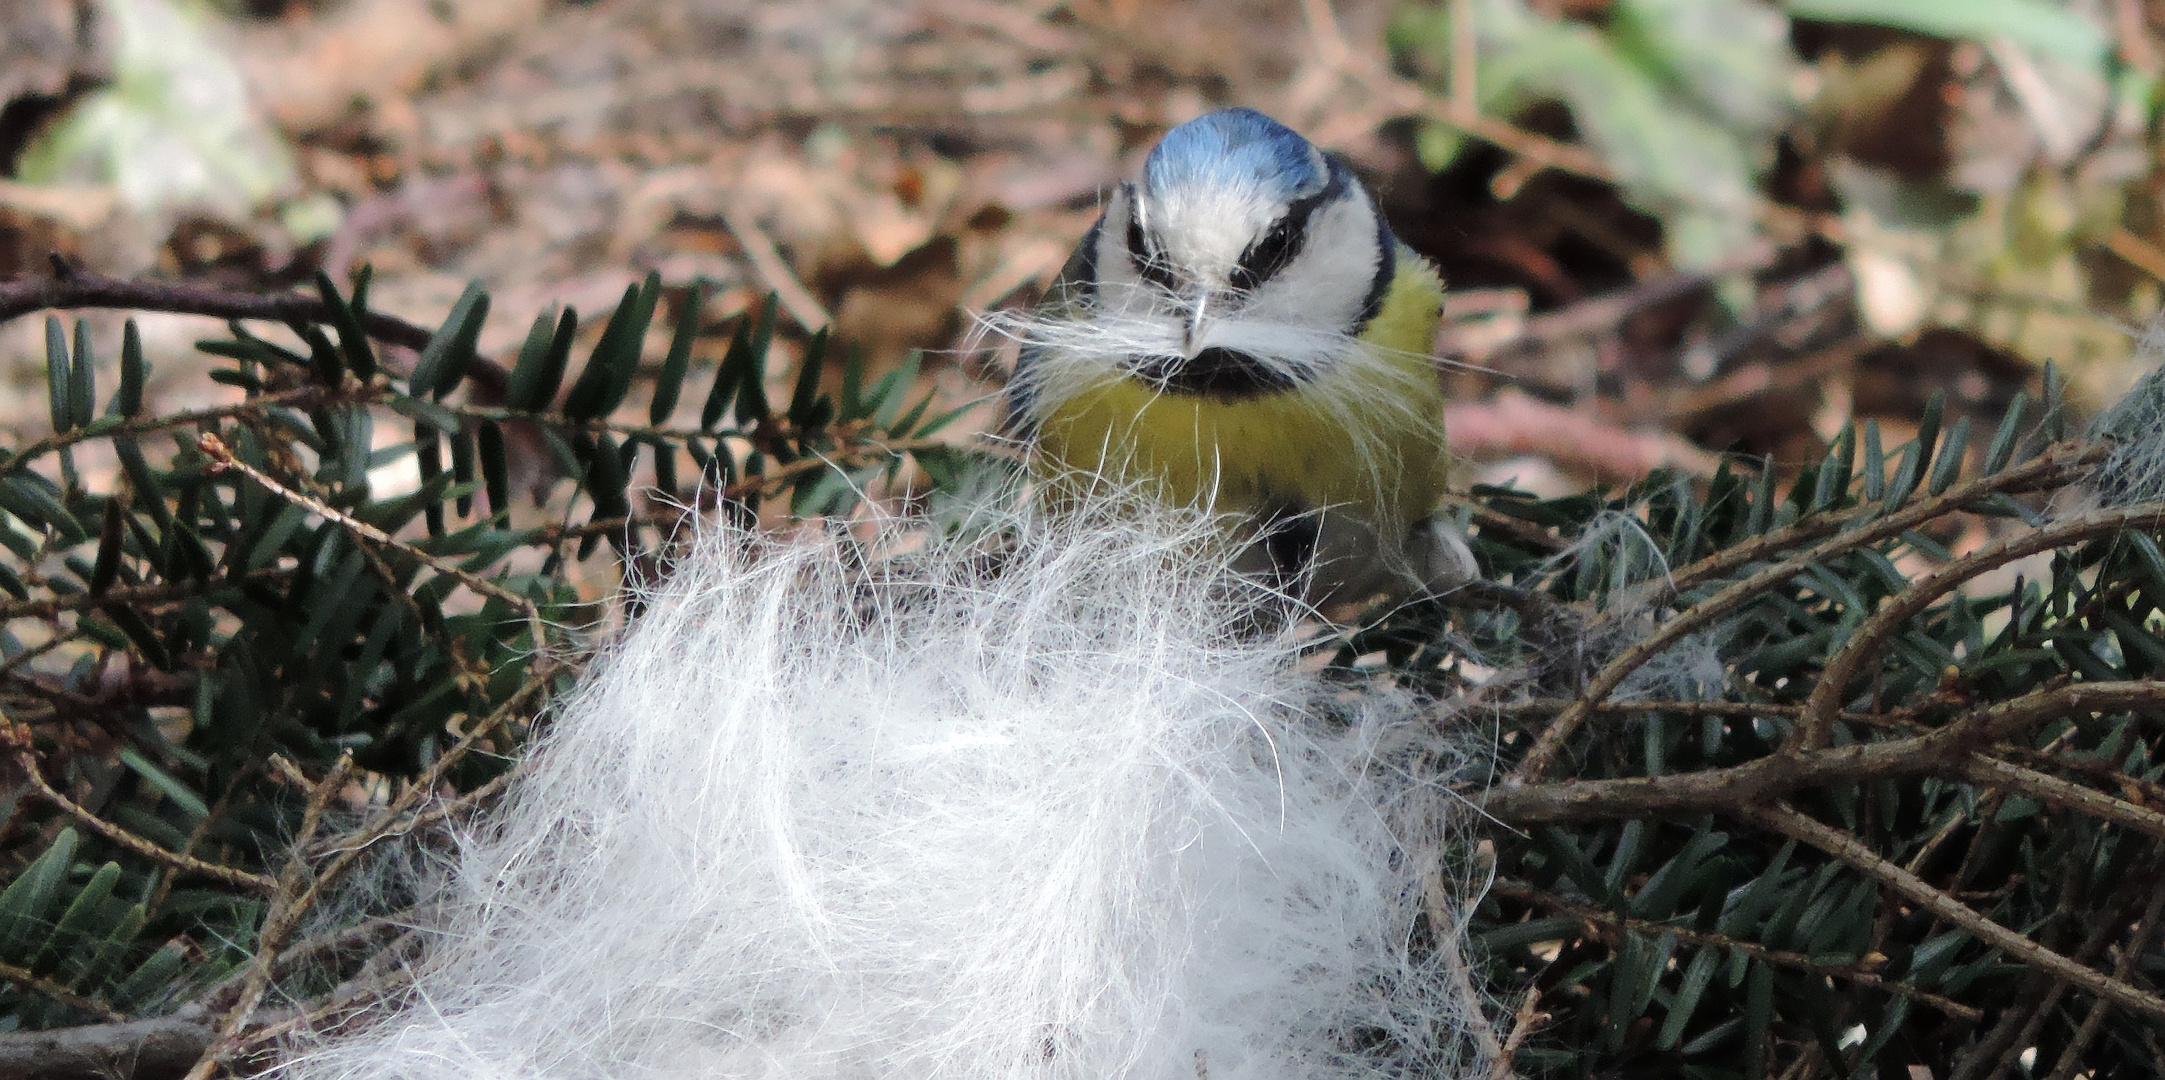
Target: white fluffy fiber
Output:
[(1066, 820)]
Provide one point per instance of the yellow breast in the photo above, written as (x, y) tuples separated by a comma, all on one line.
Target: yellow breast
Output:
[(1364, 438)]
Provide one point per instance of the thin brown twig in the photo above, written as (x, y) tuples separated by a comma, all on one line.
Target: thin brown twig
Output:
[(288, 906), (1407, 97), (18, 738), (114, 427), (1526, 1021), (224, 992), (2149, 791), (388, 821), (2124, 968), (140, 597), (1737, 788), (81, 289), (1786, 820), (44, 987), (1831, 690), (2050, 468), (2046, 788), (1449, 922), (158, 1046), (222, 457), (767, 259), (1857, 973), (1517, 530), (766, 482), (1551, 740), (1540, 707), (1465, 55)]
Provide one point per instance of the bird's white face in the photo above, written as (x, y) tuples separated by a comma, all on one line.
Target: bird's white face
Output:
[(1238, 268)]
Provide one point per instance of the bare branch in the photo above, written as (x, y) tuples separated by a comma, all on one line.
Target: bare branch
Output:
[(80, 289), (1789, 822), (18, 738), (1613, 923), (162, 1046), (1551, 741), (1831, 689), (1735, 790)]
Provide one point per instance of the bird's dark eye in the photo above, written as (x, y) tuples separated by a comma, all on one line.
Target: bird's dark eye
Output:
[(1270, 253), (1149, 262)]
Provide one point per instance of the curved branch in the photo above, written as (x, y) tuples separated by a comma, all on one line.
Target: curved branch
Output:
[(162, 1046), (71, 289), (18, 740), (1857, 972), (1738, 788), (1842, 667), (76, 289), (1551, 741), (1792, 823)]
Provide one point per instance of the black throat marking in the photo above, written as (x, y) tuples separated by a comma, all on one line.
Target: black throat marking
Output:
[(1220, 374)]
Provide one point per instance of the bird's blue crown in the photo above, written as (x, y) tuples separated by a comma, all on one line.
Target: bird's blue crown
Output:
[(1237, 148)]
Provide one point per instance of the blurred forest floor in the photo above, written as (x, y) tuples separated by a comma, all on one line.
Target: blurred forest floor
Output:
[(1684, 228)]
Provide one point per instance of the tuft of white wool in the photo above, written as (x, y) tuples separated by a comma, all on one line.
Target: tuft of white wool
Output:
[(1052, 808), (2134, 471)]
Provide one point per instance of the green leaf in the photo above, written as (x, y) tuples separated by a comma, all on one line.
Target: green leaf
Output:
[(329, 363), (2036, 24), (1949, 465), (353, 341), (85, 970), (56, 373), (150, 980), (1559, 928), (167, 785), (82, 379), (111, 532), (542, 362), (752, 380), (1875, 463), (728, 375), (1697, 976), (1743, 918), (1758, 1018), (887, 395), (495, 467), (462, 467), (608, 481), (1679, 100), (665, 466), (76, 924), (2008, 436), (450, 350), (30, 895), (134, 373), (615, 360), (806, 392), (428, 456), (670, 383), (29, 497)]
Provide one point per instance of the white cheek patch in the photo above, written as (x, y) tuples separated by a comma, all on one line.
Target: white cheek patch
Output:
[(1329, 282), (1116, 276)]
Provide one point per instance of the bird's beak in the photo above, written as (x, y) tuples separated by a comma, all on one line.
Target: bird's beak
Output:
[(1191, 335)]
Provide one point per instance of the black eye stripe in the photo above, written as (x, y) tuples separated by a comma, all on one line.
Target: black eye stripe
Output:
[(1148, 262), (1278, 247)]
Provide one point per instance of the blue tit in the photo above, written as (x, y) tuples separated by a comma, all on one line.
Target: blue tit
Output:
[(1240, 330)]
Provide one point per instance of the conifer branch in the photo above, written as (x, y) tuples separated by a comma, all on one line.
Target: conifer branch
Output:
[(1781, 818)]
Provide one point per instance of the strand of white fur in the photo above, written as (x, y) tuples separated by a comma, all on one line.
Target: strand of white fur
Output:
[(1066, 820)]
